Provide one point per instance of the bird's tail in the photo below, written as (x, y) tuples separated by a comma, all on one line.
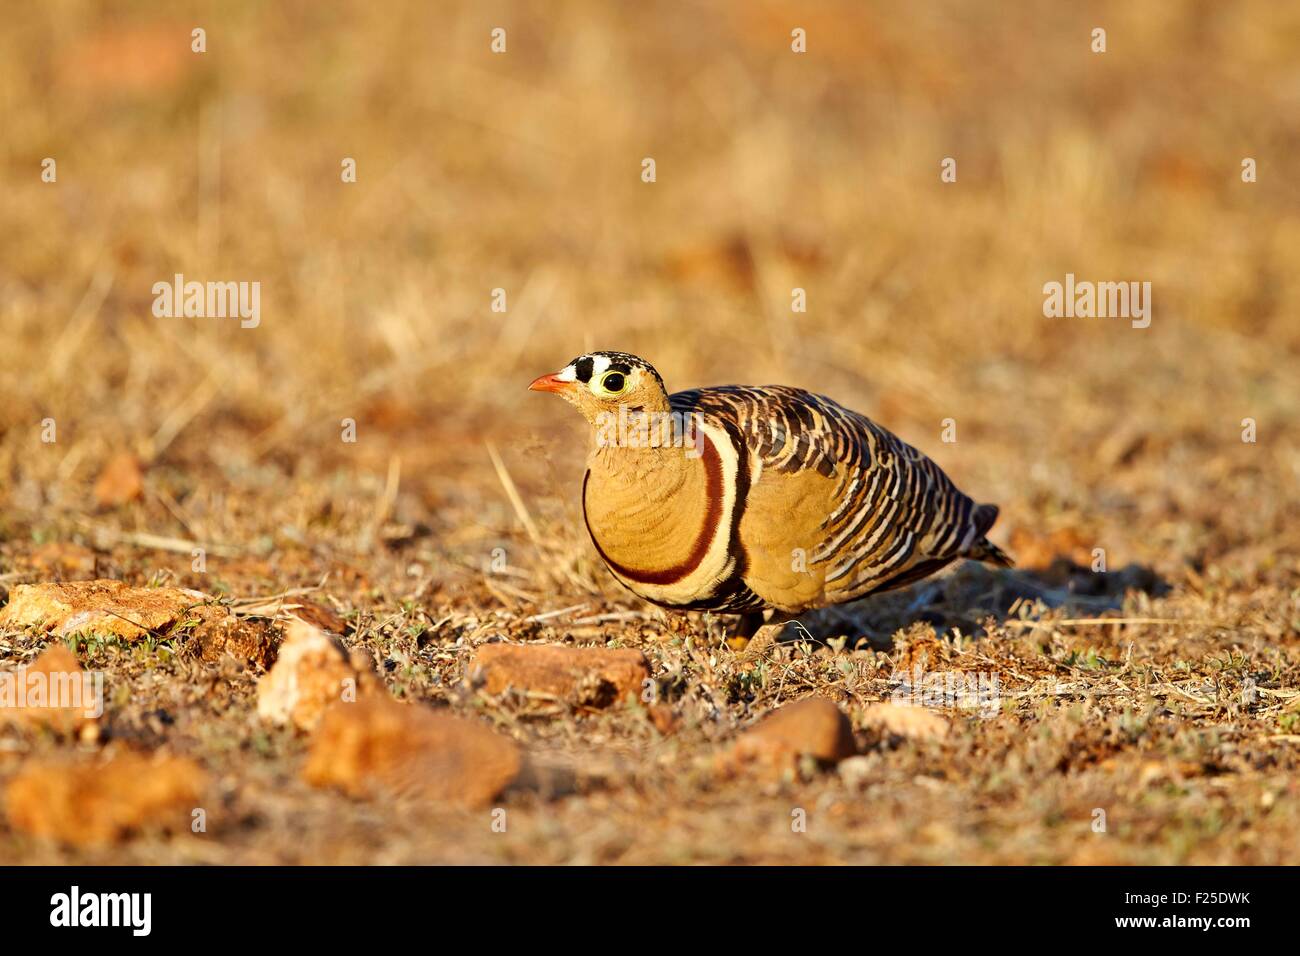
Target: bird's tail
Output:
[(982, 549)]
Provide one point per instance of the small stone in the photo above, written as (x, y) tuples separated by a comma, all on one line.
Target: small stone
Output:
[(379, 746), (122, 480), (93, 804), (318, 615), (595, 676), (53, 692), (311, 671), (813, 727), (104, 607), (217, 633), (905, 720)]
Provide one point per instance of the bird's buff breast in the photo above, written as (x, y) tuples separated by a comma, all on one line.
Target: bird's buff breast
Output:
[(654, 517)]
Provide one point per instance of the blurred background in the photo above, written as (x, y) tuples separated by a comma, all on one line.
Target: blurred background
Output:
[(522, 171)]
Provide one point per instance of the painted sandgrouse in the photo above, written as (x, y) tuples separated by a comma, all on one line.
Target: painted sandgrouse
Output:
[(764, 501)]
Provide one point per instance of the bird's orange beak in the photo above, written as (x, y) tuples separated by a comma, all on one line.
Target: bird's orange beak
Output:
[(549, 383)]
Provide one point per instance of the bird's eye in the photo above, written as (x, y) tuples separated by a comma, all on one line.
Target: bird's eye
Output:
[(613, 382)]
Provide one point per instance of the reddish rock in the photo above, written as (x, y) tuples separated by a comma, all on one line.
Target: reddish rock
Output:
[(378, 746), (101, 802), (595, 676), (813, 727), (217, 633), (318, 615), (278, 609), (53, 692), (311, 671), (104, 607), (122, 480)]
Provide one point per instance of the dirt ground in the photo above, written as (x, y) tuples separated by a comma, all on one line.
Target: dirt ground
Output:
[(1147, 714)]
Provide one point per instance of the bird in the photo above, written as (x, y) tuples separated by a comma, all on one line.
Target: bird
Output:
[(764, 502)]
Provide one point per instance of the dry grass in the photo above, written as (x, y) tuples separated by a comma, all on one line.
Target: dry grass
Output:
[(774, 171)]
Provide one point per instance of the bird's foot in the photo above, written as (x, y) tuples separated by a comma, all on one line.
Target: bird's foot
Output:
[(755, 648), (749, 625)]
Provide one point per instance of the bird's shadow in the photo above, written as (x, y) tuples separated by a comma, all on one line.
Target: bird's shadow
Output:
[(969, 598)]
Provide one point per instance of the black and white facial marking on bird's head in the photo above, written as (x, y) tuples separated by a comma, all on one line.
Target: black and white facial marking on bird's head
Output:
[(602, 381)]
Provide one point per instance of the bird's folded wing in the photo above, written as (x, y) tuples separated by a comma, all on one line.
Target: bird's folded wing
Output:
[(892, 506)]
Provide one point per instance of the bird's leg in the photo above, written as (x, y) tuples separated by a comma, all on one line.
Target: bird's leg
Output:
[(749, 625), (763, 637)]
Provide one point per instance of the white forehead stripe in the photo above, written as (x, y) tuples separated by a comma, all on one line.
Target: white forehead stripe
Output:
[(599, 366)]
